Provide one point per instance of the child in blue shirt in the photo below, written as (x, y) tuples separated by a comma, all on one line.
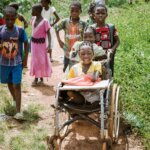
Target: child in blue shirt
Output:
[(11, 39)]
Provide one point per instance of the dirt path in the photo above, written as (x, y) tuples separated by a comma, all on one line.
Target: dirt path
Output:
[(82, 137)]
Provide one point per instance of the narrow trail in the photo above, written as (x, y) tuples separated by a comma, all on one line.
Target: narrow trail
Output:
[(82, 137)]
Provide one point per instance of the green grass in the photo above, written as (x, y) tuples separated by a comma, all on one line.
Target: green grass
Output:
[(132, 69), (28, 134), (132, 73), (32, 138)]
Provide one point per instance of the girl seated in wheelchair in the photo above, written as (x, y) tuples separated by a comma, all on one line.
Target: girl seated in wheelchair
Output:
[(87, 67), (89, 36)]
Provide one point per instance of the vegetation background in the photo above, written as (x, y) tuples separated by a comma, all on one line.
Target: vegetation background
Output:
[(132, 71)]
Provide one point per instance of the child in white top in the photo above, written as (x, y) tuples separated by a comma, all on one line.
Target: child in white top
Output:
[(49, 12)]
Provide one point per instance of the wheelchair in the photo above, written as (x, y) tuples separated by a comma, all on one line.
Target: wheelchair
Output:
[(66, 113)]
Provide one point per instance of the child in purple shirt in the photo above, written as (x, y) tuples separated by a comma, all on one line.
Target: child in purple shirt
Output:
[(11, 39)]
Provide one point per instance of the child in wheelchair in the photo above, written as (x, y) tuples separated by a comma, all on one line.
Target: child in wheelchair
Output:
[(88, 70), (89, 36)]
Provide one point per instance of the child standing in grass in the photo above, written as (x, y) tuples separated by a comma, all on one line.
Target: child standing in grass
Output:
[(40, 64), (49, 13), (11, 39), (85, 67), (73, 28), (106, 34)]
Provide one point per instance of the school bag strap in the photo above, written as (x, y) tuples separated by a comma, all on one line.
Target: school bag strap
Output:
[(112, 30)]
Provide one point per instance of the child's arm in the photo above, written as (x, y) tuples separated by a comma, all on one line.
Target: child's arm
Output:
[(56, 20), (21, 17), (61, 43), (49, 39), (26, 50), (95, 76), (60, 26), (117, 42), (97, 71)]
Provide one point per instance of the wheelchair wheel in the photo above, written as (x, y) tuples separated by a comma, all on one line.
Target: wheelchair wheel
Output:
[(114, 119), (116, 116), (61, 117)]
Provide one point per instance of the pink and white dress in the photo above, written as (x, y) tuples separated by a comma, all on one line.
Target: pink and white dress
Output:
[(40, 64)]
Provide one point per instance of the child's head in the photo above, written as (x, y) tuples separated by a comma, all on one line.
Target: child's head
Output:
[(10, 16), (36, 9), (14, 5), (91, 10), (89, 35), (86, 52), (100, 13), (45, 3), (75, 9)]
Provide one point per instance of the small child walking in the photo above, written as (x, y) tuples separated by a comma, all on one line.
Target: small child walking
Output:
[(11, 63), (73, 28), (49, 12), (40, 64), (106, 34), (85, 67)]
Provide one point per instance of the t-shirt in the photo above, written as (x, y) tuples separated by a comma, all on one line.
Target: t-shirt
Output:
[(73, 33), (11, 40), (104, 36), (48, 14), (76, 70), (98, 51)]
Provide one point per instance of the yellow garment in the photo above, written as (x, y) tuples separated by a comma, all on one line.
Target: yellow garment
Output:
[(76, 70), (19, 22)]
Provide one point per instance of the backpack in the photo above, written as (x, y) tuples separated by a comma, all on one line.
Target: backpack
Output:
[(104, 32), (9, 49)]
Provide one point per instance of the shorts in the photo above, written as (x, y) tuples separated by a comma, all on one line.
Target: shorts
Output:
[(11, 74)]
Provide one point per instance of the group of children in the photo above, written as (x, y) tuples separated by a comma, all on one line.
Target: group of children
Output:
[(84, 42)]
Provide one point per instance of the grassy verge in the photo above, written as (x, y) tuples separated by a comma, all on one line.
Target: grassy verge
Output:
[(20, 135), (132, 69)]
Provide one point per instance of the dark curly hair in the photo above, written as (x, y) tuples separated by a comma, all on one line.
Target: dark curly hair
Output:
[(9, 9), (101, 5), (77, 4), (14, 5), (38, 7), (86, 43), (90, 28), (91, 8)]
